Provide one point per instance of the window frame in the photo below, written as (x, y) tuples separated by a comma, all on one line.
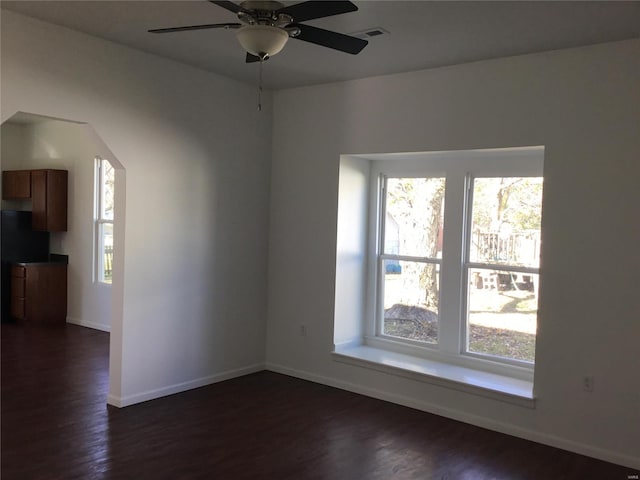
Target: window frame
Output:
[(469, 265), (99, 221), (382, 256), (459, 169)]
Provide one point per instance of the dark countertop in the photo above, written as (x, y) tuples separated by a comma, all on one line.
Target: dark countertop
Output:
[(53, 258)]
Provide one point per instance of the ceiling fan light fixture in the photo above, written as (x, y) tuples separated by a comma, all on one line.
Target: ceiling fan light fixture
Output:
[(262, 40)]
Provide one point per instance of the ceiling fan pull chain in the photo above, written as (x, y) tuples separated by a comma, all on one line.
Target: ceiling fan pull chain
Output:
[(260, 85)]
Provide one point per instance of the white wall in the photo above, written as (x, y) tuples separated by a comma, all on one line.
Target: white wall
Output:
[(14, 142), (64, 145), (351, 245), (189, 307), (583, 105)]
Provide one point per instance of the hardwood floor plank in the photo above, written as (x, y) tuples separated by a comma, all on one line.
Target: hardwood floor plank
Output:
[(56, 425)]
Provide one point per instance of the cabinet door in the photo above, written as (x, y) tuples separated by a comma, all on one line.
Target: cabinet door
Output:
[(57, 200), (16, 185), (49, 200), (39, 200), (17, 308), (45, 298)]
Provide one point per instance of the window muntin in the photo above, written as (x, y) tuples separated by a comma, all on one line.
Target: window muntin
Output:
[(456, 339), (103, 220)]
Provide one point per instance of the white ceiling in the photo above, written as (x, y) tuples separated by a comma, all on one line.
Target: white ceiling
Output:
[(422, 34)]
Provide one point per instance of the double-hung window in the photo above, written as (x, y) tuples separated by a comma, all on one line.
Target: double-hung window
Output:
[(410, 257), (455, 256), (103, 220)]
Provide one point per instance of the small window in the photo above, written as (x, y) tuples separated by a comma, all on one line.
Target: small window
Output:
[(103, 220)]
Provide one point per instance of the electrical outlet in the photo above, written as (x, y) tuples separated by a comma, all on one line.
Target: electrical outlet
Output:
[(303, 330), (587, 383)]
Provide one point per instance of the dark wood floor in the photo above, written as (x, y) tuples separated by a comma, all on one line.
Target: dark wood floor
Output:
[(56, 425)]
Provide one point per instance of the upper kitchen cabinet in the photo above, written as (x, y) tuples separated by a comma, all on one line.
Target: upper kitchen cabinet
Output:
[(47, 190), (49, 198), (16, 185)]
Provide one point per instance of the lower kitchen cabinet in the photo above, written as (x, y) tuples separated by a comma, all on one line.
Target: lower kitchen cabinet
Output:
[(39, 292)]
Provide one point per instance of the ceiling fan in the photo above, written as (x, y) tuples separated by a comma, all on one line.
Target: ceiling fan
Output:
[(266, 26)]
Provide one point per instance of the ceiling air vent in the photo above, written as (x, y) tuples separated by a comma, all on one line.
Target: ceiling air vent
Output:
[(370, 33)]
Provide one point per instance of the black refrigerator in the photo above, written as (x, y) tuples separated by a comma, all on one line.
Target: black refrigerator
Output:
[(18, 243)]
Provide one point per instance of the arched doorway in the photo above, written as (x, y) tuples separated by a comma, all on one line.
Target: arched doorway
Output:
[(31, 141)]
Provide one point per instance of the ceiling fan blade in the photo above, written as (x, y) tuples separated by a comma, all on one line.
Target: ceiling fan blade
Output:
[(253, 58), (195, 27), (327, 38), (304, 11), (232, 7)]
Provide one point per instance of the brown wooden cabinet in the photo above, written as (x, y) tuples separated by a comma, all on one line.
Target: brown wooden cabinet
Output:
[(16, 185), (49, 197), (47, 190), (39, 292)]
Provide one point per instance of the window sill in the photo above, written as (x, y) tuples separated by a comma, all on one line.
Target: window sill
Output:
[(491, 385)]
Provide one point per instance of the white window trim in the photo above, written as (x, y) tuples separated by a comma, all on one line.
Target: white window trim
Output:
[(504, 388), (447, 356), (381, 207)]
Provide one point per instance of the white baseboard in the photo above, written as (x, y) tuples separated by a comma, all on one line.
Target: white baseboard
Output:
[(127, 400), (479, 421), (95, 326)]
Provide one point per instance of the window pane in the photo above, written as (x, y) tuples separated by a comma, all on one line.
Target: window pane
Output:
[(411, 297), (506, 221), (503, 311), (107, 182), (106, 246), (414, 217)]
